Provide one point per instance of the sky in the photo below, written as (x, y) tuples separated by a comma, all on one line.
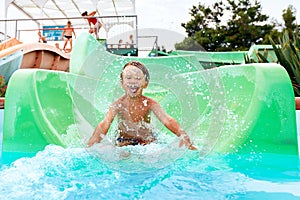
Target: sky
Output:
[(169, 14)]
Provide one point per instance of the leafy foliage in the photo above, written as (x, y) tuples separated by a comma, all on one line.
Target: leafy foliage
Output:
[(2, 86), (288, 55), (189, 44), (262, 58), (246, 26), (289, 20), (202, 28)]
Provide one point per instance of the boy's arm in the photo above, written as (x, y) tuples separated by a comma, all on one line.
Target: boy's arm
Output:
[(172, 125), (102, 128)]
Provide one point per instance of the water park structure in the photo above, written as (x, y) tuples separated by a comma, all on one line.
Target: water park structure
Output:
[(81, 65), (227, 106)]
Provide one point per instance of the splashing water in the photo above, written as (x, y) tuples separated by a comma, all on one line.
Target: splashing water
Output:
[(158, 171), (75, 173)]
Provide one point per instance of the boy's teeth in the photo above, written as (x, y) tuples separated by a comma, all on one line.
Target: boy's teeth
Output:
[(133, 90)]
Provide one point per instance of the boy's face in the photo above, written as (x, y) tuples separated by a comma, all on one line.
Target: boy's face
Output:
[(134, 81)]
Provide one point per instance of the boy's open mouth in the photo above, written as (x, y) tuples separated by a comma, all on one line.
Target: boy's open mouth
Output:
[(133, 89)]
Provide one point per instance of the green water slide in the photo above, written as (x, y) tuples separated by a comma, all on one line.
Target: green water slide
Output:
[(215, 59), (232, 109)]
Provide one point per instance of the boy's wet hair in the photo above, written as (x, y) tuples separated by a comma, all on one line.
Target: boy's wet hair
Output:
[(139, 65)]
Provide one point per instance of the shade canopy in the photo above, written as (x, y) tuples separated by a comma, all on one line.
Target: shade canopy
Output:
[(37, 9)]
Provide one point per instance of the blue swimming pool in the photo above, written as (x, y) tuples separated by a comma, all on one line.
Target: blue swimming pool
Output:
[(74, 173)]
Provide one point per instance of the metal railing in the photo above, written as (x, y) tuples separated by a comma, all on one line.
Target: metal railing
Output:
[(148, 44), (26, 30), (114, 29)]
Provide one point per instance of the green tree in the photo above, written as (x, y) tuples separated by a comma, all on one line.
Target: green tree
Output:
[(246, 26), (289, 20), (189, 44), (289, 27), (275, 34), (202, 27)]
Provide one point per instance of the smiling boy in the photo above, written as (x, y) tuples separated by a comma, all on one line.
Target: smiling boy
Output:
[(133, 112)]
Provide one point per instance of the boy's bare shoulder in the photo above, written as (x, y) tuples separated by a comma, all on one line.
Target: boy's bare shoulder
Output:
[(150, 101), (118, 103), (120, 100)]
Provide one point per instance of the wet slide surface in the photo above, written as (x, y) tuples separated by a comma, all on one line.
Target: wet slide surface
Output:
[(214, 59), (233, 109)]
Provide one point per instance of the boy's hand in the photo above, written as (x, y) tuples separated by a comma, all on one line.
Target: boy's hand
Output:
[(192, 147), (185, 140), (93, 140)]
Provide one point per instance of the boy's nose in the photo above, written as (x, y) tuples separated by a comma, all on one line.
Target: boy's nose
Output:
[(131, 81)]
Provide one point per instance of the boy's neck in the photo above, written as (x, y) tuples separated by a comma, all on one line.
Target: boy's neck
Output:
[(133, 99)]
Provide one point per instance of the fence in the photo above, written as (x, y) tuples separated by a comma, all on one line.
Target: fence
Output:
[(26, 30), (148, 44), (116, 31)]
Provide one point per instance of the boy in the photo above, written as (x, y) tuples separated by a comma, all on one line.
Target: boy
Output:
[(133, 112)]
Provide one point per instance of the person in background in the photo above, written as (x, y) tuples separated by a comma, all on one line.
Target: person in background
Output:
[(131, 42), (133, 112), (93, 21), (42, 38), (67, 35), (57, 46), (120, 44)]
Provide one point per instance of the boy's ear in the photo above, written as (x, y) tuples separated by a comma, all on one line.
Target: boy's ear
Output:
[(121, 83), (146, 85)]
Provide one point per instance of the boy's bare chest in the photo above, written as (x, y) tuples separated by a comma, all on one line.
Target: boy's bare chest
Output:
[(135, 112)]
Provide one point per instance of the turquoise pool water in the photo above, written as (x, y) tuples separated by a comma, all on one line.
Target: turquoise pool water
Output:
[(76, 173)]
